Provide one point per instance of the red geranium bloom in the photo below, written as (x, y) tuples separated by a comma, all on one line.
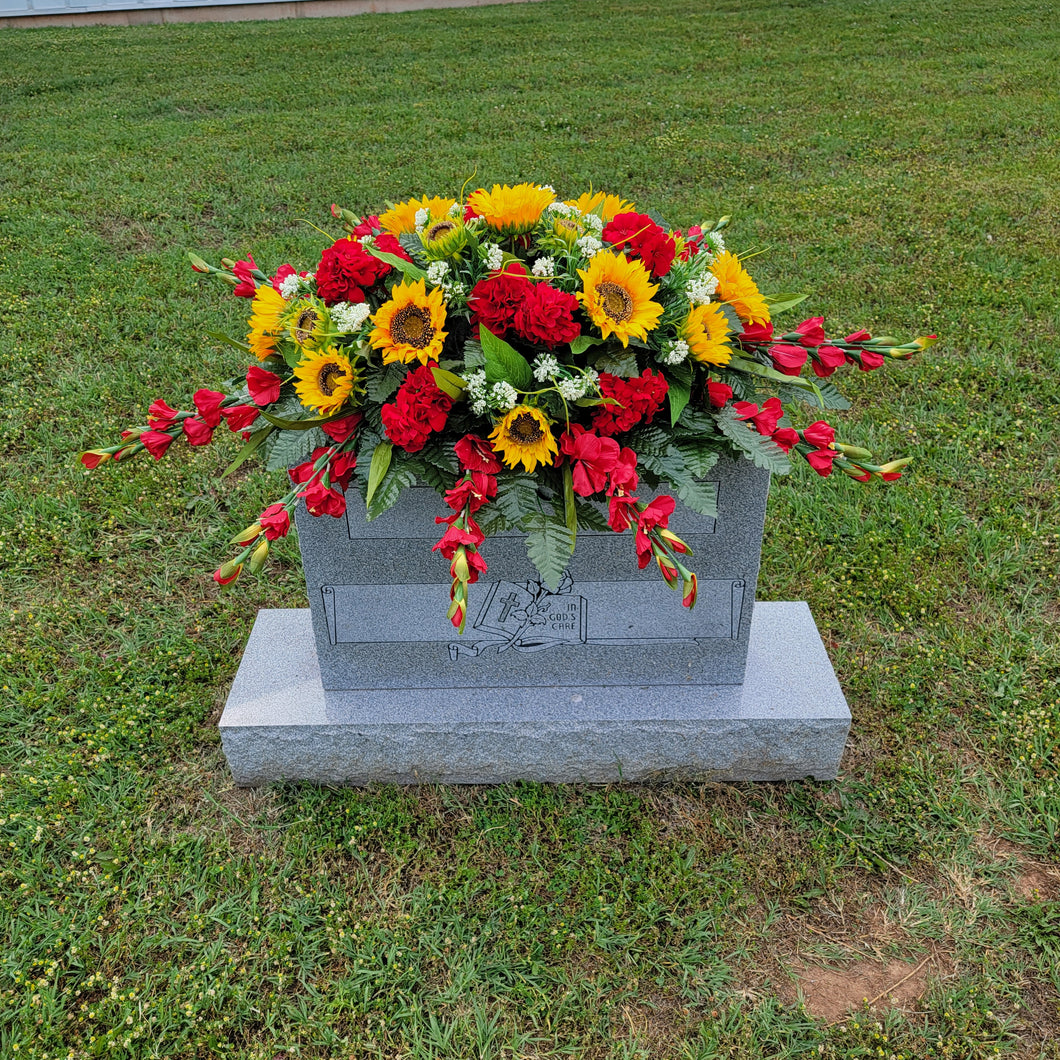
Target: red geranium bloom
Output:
[(419, 407), (495, 300), (156, 442), (476, 454), (263, 385), (247, 286), (208, 403), (788, 359), (592, 458), (239, 416), (345, 270), (644, 239), (196, 431), (275, 521), (638, 399), (546, 315), (718, 394)]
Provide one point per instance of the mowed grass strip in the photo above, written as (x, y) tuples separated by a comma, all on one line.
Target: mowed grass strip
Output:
[(899, 162)]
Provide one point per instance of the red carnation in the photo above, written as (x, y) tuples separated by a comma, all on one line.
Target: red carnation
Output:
[(264, 386), (644, 239), (546, 315), (476, 454), (208, 403), (718, 393), (156, 442), (239, 416), (495, 300), (591, 458), (247, 286), (826, 359), (275, 521), (345, 270), (637, 399), (196, 431), (340, 430), (419, 407), (788, 359)]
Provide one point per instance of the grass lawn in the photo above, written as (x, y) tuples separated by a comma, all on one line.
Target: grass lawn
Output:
[(899, 160)]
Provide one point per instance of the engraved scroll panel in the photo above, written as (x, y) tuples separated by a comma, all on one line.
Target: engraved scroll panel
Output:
[(528, 617)]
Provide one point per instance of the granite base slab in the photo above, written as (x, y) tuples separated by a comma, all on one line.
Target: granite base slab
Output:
[(788, 721)]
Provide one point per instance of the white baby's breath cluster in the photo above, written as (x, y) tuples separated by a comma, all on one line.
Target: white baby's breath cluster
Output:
[(545, 367), (493, 256), (576, 387), (437, 272), (483, 398), (290, 286), (589, 246), (561, 209), (423, 215), (675, 353), (714, 243), (349, 317), (593, 221), (701, 289), (544, 266)]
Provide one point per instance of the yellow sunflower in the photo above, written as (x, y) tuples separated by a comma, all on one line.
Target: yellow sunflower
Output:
[(324, 380), (707, 332), (612, 204), (306, 323), (617, 295), (402, 218), (265, 313), (736, 287), (511, 211), (443, 239), (409, 326), (523, 437)]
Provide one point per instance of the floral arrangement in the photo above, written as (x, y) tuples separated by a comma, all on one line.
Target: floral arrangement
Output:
[(540, 362)]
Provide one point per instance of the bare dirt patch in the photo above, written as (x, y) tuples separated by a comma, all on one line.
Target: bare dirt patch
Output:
[(1035, 881), (832, 993)]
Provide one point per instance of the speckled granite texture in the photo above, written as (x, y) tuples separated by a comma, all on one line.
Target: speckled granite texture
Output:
[(788, 721)]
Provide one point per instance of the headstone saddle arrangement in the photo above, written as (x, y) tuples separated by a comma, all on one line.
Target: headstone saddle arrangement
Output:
[(544, 379)]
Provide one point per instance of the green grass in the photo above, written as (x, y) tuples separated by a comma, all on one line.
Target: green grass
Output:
[(899, 161)]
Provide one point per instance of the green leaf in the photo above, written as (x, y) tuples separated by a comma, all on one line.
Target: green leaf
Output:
[(299, 425), (398, 478), (380, 385), (413, 272), (762, 452), (517, 496), (244, 454), (779, 303), (569, 511), (827, 396), (741, 364), (617, 362), (549, 545), (590, 517), (699, 457), (701, 497), (494, 523), (218, 336), (413, 246), (679, 393), (503, 362), (448, 383), (292, 447), (380, 465), (732, 318), (582, 343), (473, 356)]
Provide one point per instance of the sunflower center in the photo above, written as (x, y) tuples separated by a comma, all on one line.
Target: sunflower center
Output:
[(615, 301), (525, 429), (412, 326), (328, 377), (437, 230), (304, 324)]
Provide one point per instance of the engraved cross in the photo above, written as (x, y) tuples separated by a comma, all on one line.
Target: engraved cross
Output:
[(509, 603)]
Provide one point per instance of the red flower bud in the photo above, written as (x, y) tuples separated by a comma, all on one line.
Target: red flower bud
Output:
[(718, 393), (275, 521), (94, 457), (196, 431), (788, 359), (156, 442), (227, 572), (819, 434)]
